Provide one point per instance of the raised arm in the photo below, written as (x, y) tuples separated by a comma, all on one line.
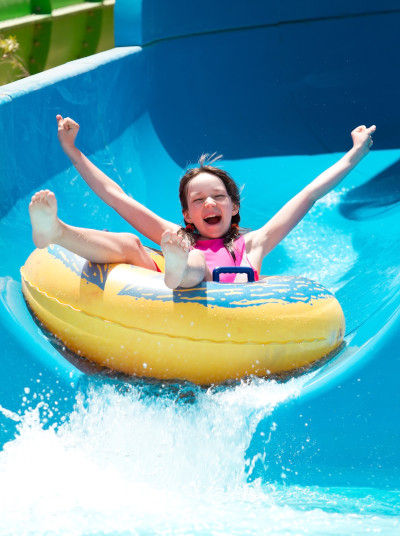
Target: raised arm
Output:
[(141, 218), (263, 240)]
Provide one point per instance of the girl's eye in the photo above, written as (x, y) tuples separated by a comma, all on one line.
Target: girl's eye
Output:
[(220, 196), (198, 200)]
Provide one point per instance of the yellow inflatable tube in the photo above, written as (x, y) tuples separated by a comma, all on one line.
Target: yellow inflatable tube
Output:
[(125, 318)]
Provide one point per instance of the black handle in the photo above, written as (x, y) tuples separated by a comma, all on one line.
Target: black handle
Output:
[(233, 270)]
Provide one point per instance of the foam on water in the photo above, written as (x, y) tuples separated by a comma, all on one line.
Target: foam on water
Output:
[(135, 462)]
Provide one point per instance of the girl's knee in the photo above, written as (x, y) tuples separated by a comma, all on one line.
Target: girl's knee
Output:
[(134, 251), (131, 244), (131, 241)]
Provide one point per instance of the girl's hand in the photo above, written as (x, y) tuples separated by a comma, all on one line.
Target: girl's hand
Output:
[(362, 138), (67, 132)]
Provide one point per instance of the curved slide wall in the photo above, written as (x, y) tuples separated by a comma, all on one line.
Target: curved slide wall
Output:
[(278, 100)]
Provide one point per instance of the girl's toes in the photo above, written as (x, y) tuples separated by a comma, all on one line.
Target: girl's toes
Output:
[(184, 245), (166, 236)]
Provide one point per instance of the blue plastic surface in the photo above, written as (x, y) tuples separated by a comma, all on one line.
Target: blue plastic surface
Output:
[(142, 22), (278, 99), (234, 270)]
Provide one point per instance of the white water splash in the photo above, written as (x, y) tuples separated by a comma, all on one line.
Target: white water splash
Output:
[(133, 464), (10, 414)]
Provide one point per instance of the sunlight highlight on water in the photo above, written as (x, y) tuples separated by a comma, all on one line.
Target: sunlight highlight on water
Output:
[(319, 250), (137, 462)]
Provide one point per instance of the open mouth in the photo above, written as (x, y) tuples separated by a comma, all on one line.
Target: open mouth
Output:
[(212, 220)]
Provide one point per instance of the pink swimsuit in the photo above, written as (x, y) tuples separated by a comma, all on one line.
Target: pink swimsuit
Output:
[(217, 255)]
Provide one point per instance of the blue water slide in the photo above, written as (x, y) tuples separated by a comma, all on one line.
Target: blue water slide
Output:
[(276, 88)]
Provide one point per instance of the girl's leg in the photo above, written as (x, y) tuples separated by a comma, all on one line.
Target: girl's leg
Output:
[(183, 268), (91, 244)]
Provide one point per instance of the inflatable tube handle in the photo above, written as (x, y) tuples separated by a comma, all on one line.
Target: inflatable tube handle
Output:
[(233, 270)]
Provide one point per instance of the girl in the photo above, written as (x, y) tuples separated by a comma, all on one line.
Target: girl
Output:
[(210, 206)]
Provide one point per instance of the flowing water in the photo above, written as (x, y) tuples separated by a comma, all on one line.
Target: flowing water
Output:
[(147, 459)]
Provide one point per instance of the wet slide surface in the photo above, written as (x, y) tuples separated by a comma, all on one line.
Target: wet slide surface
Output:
[(278, 98)]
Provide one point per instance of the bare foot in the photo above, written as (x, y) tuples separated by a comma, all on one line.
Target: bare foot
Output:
[(43, 212), (176, 251)]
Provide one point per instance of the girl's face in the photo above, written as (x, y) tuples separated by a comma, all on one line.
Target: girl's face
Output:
[(210, 208)]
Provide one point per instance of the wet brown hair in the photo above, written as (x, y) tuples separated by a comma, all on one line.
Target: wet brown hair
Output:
[(205, 165)]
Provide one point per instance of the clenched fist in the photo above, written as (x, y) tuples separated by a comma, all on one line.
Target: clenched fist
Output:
[(67, 132), (362, 137)]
